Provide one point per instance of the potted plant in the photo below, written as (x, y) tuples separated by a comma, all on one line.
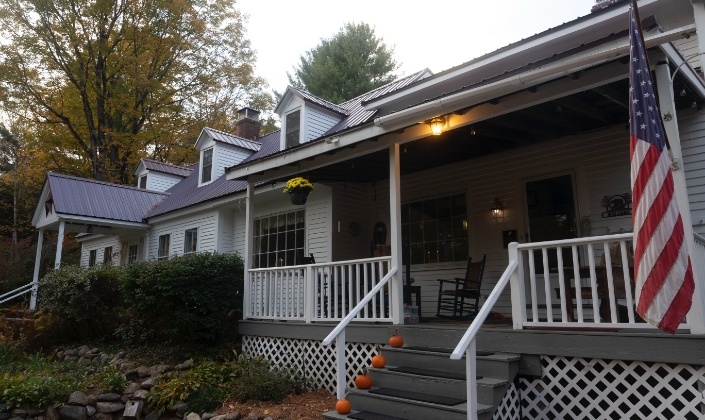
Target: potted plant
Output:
[(298, 189)]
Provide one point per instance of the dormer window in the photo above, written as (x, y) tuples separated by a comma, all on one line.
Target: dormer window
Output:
[(143, 182), (207, 166), (293, 128)]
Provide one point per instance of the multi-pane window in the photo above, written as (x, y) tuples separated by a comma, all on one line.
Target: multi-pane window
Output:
[(190, 240), (108, 255), (207, 166), (435, 230), (132, 254), (92, 255), (143, 182), (293, 128), (278, 238), (163, 250)]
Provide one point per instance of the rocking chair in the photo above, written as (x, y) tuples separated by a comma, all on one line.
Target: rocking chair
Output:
[(462, 299)]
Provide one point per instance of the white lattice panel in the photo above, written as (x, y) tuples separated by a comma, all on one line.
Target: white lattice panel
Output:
[(577, 388), (510, 406), (316, 362)]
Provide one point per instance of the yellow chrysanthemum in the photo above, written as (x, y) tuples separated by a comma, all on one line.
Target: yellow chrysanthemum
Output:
[(298, 184)]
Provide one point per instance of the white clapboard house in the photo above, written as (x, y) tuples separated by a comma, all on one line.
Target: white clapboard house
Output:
[(518, 159)]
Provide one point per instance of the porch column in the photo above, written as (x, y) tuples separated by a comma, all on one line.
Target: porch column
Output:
[(249, 229), (59, 244), (396, 291), (696, 316), (35, 279), (145, 246), (699, 17)]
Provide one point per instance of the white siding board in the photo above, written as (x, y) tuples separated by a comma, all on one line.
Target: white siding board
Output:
[(225, 156), (205, 222), (99, 243), (158, 181), (691, 126), (318, 122)]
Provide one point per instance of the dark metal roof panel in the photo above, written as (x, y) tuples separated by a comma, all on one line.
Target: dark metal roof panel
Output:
[(232, 139), (187, 193), (270, 144), (166, 168), (391, 87), (321, 102), (90, 198)]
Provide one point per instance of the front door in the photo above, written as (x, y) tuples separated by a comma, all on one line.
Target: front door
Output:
[(550, 204)]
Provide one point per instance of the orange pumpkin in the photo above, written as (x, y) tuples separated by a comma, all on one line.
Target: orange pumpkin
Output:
[(396, 341), (343, 406), (379, 361), (363, 381)]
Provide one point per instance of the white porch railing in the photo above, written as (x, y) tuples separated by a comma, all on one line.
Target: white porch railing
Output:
[(319, 292), (12, 294)]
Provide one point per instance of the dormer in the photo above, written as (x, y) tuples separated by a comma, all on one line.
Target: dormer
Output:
[(158, 176), (220, 150), (305, 117)]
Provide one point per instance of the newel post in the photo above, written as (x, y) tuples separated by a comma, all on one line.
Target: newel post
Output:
[(517, 283)]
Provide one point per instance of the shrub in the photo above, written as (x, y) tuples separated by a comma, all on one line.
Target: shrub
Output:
[(35, 381), (192, 387), (187, 298)]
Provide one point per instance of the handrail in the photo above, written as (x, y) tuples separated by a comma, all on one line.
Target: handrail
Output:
[(356, 310), (17, 292), (322, 264), (484, 312), (338, 333), (577, 241)]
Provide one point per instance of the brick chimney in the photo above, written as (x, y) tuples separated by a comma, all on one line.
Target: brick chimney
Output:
[(247, 124)]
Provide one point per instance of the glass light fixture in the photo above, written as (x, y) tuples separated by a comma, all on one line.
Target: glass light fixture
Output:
[(437, 124), (497, 209)]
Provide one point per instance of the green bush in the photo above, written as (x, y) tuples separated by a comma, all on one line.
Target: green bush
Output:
[(187, 298), (192, 387)]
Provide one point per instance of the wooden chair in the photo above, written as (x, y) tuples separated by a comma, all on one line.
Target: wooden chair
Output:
[(462, 299)]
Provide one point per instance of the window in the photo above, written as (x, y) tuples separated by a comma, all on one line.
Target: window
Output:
[(108, 255), (92, 255), (278, 238), (190, 240), (293, 125), (435, 230), (163, 250), (143, 182), (132, 254), (207, 166)]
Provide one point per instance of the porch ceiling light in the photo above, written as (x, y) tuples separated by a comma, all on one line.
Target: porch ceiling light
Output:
[(497, 209), (437, 124)]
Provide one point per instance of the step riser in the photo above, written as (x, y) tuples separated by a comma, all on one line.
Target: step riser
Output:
[(437, 386), (404, 409), (486, 366)]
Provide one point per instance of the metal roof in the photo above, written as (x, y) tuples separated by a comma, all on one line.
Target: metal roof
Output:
[(166, 168), (270, 144), (232, 139), (187, 193), (90, 198), (309, 97)]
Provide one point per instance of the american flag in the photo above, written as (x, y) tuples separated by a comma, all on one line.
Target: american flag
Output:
[(662, 269)]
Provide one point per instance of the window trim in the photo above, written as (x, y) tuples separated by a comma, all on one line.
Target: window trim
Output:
[(140, 184), (210, 165), (186, 232), (136, 255), (108, 255), (167, 248), (287, 131), (92, 257)]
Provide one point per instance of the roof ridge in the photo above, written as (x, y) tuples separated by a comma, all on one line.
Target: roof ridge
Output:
[(109, 184), (368, 93), (166, 163), (343, 110), (232, 135)]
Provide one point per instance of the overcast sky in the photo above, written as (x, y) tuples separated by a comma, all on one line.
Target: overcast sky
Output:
[(437, 34)]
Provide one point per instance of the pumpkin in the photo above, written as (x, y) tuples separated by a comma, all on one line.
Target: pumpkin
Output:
[(396, 340), (379, 361), (363, 381), (343, 406)]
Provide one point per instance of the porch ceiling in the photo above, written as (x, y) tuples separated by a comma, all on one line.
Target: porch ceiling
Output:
[(587, 111)]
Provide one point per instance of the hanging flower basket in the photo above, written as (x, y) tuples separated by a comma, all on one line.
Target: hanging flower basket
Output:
[(298, 189)]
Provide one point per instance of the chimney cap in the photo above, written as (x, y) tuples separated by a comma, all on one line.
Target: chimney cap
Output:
[(249, 113)]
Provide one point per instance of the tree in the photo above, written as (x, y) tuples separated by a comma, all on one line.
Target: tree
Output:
[(115, 80), (352, 62)]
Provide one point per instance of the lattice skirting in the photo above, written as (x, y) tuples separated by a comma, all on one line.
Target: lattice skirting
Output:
[(578, 388), (316, 362), (510, 407)]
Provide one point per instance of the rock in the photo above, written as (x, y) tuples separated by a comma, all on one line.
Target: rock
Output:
[(92, 400), (253, 416), (185, 365), (78, 398), (179, 408), (131, 388), (50, 413), (140, 395), (104, 357), (16, 418), (157, 370), (193, 416), (143, 371), (83, 361), (17, 412), (127, 366), (125, 398), (70, 352), (39, 418), (111, 397), (5, 415), (148, 384), (152, 416), (90, 410), (72, 412), (34, 412), (132, 375), (235, 415), (109, 407), (207, 416), (103, 416), (83, 350)]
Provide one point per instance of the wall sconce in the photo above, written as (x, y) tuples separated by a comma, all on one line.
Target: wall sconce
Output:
[(497, 210), (437, 124)]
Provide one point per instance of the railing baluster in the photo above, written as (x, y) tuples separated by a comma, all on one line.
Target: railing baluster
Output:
[(627, 281), (561, 285), (547, 285), (532, 280), (593, 285), (578, 285), (610, 282)]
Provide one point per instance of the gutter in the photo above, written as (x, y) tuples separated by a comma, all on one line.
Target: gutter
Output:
[(512, 84)]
